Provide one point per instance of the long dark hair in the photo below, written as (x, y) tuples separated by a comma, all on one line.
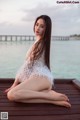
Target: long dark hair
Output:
[(44, 44)]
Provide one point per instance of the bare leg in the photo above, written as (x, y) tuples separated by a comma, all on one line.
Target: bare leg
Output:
[(33, 89), (30, 94), (61, 103)]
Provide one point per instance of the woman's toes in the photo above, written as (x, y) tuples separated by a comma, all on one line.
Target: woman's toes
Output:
[(58, 96), (66, 104), (64, 97), (62, 103)]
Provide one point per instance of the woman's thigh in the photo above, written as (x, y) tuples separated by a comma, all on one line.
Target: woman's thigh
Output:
[(35, 83)]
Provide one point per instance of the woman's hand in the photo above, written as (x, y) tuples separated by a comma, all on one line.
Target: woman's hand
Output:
[(14, 84), (7, 90)]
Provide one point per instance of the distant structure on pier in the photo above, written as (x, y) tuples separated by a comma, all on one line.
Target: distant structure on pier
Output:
[(16, 38), (29, 38), (61, 38)]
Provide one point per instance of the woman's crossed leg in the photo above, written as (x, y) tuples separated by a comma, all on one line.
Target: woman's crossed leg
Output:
[(37, 89)]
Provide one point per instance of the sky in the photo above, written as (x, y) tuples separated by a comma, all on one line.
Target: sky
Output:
[(17, 17)]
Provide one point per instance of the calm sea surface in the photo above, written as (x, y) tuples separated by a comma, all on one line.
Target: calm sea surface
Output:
[(65, 58)]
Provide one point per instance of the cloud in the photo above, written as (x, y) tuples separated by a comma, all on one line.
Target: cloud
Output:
[(65, 18), (3, 24), (57, 13)]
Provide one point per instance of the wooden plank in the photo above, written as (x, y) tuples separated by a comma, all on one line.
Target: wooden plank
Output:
[(61, 117), (7, 103), (41, 111), (76, 83), (74, 101), (56, 80), (9, 80)]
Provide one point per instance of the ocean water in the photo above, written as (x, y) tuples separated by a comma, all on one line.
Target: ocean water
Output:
[(64, 57)]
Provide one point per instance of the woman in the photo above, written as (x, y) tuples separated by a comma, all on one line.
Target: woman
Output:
[(35, 77)]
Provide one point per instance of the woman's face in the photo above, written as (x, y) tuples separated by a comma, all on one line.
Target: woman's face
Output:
[(40, 28)]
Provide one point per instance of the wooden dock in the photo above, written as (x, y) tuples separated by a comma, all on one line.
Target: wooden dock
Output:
[(27, 111)]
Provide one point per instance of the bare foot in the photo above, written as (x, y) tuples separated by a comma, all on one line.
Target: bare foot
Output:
[(62, 103), (58, 96)]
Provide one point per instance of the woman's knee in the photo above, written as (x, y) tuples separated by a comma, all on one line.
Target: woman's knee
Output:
[(11, 95), (18, 95)]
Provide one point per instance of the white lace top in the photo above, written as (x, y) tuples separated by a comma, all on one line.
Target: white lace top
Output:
[(38, 68)]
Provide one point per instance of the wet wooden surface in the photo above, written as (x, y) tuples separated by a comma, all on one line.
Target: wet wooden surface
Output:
[(26, 111)]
